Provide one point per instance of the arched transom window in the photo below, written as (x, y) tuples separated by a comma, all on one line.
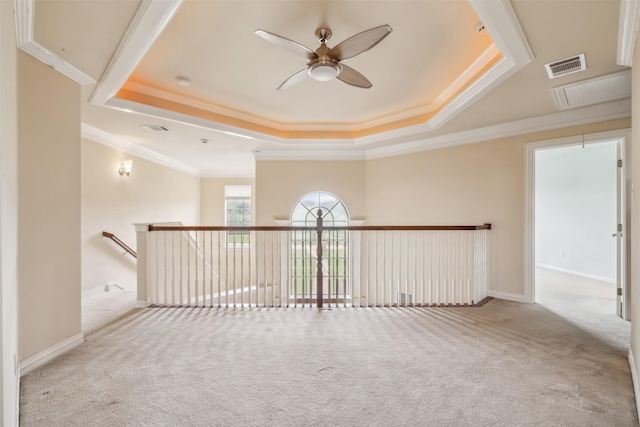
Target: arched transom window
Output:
[(305, 212)]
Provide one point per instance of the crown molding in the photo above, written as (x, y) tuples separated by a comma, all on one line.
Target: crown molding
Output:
[(597, 113), (628, 24), (320, 155), (96, 135), (501, 22), (150, 20), (24, 21), (24, 14), (489, 80), (489, 54), (231, 174)]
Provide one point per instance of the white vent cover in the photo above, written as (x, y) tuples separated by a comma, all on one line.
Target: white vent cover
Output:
[(156, 128), (594, 91), (566, 66)]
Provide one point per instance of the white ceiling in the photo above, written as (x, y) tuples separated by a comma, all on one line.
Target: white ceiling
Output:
[(436, 79)]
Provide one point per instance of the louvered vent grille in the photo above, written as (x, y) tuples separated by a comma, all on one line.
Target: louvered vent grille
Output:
[(566, 66), (156, 128)]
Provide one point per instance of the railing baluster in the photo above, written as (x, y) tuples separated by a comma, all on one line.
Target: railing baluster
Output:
[(454, 294), (287, 296), (173, 268), (384, 268), (264, 255), (273, 269), (226, 269), (219, 269), (362, 266), (164, 256), (432, 239), (157, 281), (398, 292), (460, 270), (235, 269), (211, 268), (476, 274), (195, 266), (377, 289), (204, 268), (415, 269), (439, 267), (369, 293)]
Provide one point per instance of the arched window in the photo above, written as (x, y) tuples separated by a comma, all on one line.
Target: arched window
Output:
[(305, 212), (335, 249)]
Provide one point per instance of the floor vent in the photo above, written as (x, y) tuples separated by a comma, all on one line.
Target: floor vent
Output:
[(156, 128), (405, 298), (566, 66)]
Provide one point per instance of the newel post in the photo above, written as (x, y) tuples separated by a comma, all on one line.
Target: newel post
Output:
[(319, 289), (142, 231)]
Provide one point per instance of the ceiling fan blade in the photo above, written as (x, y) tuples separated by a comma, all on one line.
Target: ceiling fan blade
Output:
[(296, 78), (359, 43), (351, 77), (290, 45)]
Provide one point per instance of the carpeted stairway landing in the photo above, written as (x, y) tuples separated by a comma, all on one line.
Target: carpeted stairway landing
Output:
[(503, 364)]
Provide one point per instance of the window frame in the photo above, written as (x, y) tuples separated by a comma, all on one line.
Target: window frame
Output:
[(245, 221)]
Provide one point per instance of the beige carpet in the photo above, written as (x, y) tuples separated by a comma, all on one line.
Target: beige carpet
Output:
[(106, 307), (504, 364)]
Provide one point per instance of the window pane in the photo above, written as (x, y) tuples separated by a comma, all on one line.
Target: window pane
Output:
[(238, 215)]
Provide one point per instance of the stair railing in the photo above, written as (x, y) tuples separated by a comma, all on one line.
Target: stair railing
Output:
[(120, 243)]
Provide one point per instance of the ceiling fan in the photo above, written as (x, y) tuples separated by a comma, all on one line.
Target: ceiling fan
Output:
[(326, 63)]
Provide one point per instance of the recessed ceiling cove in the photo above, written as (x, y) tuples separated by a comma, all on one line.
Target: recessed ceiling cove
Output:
[(433, 55)]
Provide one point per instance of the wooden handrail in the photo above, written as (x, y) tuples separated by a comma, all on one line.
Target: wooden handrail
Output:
[(120, 243), (331, 228)]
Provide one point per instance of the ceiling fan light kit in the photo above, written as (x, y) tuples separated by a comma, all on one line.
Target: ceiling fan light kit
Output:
[(325, 64), (323, 70)]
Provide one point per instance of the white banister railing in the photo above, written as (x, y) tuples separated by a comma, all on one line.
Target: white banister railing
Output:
[(361, 266)]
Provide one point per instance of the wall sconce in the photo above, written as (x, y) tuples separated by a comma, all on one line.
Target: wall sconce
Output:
[(125, 167)]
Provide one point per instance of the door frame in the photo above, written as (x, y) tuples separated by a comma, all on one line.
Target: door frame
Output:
[(623, 137)]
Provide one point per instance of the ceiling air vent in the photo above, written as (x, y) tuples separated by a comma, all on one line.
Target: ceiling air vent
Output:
[(566, 66), (156, 128)]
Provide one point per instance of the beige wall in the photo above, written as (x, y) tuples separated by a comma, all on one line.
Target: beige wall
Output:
[(280, 184), (464, 185), (212, 198), (635, 211), (467, 185), (8, 217), (48, 206), (113, 203)]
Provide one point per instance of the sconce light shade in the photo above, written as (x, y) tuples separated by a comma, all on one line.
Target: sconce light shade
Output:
[(125, 167)]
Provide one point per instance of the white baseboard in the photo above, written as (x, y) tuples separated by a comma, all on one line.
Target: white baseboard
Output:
[(507, 296), (142, 303), (578, 273), (634, 379), (91, 292), (48, 354)]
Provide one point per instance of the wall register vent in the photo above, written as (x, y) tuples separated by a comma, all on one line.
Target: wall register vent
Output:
[(566, 66)]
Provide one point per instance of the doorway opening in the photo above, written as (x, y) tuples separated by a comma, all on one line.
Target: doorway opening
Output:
[(577, 224)]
